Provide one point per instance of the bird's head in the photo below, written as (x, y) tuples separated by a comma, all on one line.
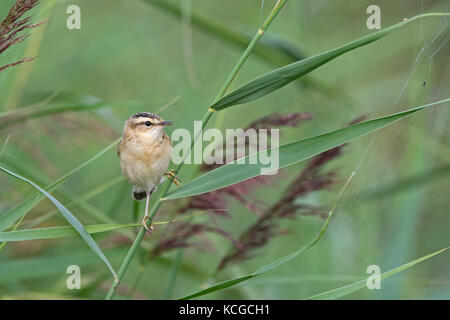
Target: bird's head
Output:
[(145, 123)]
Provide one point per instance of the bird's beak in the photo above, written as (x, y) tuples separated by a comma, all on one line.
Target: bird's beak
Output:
[(166, 123)]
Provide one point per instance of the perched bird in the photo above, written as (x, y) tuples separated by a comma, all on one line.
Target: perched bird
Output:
[(144, 152)]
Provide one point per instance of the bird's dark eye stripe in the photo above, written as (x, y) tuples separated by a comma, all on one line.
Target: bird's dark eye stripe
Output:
[(147, 123)]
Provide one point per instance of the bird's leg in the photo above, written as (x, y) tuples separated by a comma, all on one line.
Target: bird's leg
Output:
[(172, 177), (144, 221)]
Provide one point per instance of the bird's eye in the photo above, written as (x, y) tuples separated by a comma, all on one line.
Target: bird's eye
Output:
[(148, 123)]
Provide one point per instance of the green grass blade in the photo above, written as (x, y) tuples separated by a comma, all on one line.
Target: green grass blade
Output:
[(60, 103), (9, 217), (217, 287), (50, 266), (74, 222), (173, 272), (278, 78), (402, 185), (274, 50), (81, 201), (351, 288), (289, 154), (59, 232), (276, 263)]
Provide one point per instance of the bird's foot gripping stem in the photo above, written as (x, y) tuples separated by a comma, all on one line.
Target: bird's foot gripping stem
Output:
[(146, 216), (172, 177), (147, 227)]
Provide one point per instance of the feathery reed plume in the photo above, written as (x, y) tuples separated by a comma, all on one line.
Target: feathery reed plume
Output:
[(309, 180), (280, 120), (180, 233), (12, 27), (273, 120), (241, 191)]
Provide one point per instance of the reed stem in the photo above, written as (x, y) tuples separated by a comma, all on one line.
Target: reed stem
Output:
[(278, 6)]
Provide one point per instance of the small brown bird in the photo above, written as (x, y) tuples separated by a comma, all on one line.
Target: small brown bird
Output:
[(144, 153)]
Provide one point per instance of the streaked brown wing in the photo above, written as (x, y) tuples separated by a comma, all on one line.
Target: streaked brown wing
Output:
[(119, 148)]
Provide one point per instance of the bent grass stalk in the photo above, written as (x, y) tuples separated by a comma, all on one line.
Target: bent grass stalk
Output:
[(12, 215), (278, 6)]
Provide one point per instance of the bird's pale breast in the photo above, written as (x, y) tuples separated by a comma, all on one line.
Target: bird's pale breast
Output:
[(144, 163)]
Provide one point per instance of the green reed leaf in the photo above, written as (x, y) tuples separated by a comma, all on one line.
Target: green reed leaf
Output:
[(74, 222), (278, 78), (59, 103), (289, 154), (59, 232), (351, 288), (402, 185), (9, 217), (50, 265)]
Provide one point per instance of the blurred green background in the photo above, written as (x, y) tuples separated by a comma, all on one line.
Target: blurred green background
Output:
[(136, 56)]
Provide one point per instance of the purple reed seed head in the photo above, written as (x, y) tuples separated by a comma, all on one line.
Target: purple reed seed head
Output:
[(12, 27)]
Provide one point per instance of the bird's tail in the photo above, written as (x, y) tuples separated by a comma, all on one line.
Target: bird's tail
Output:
[(138, 194)]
